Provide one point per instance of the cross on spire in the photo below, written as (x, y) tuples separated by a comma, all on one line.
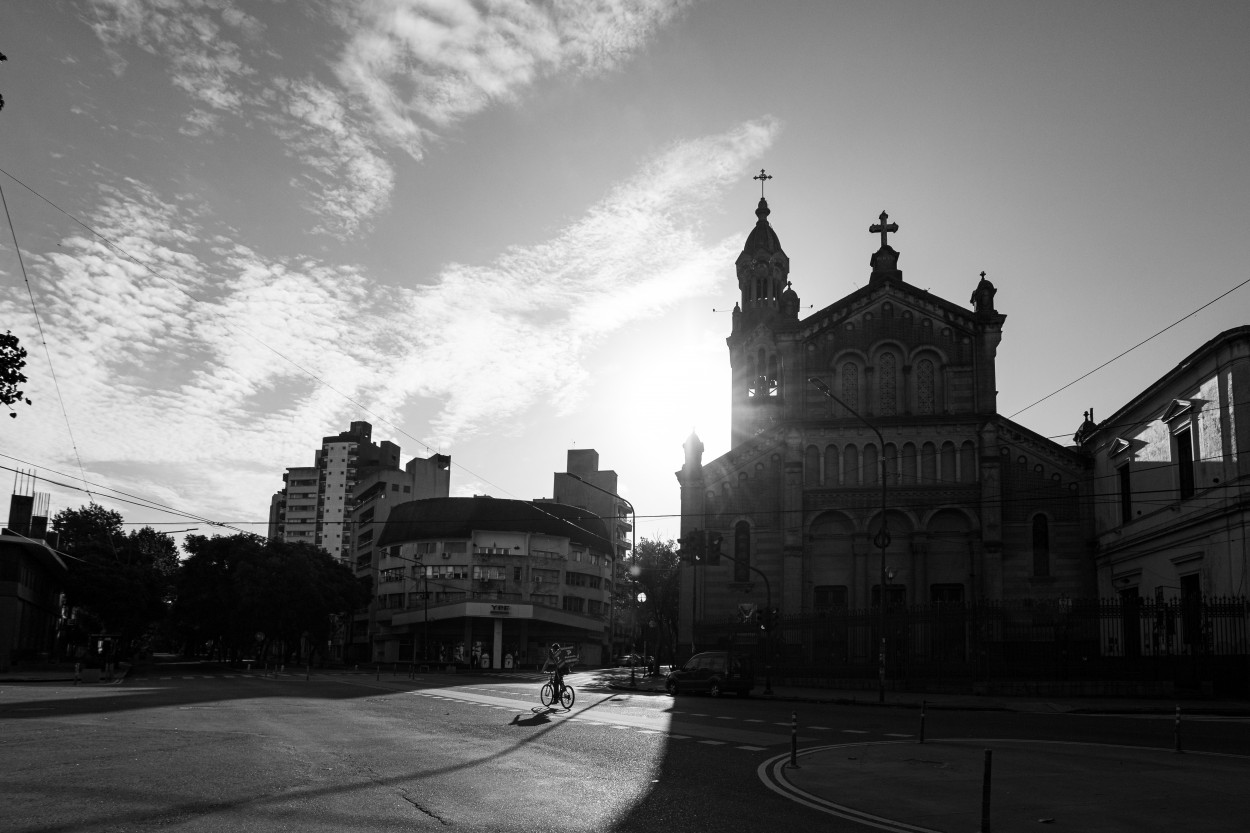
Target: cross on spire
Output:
[(762, 177), (883, 228)]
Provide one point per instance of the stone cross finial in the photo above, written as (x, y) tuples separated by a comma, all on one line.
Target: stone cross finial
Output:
[(763, 177), (883, 228)]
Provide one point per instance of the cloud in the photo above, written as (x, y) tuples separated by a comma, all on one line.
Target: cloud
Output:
[(214, 356), (405, 71), (422, 65)]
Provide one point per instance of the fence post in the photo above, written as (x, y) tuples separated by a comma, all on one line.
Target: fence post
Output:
[(985, 791), (794, 740)]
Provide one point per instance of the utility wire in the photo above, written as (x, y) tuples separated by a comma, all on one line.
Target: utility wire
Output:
[(43, 339), (1131, 349)]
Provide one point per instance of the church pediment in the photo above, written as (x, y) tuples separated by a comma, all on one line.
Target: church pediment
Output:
[(1178, 408)]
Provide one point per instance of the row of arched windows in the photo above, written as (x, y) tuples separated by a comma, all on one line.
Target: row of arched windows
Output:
[(885, 390), (910, 464)]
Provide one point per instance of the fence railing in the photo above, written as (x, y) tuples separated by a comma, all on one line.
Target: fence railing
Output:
[(1183, 640)]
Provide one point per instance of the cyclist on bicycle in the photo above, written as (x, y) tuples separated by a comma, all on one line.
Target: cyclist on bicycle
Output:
[(556, 662)]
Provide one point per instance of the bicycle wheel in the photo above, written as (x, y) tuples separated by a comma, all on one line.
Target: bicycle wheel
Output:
[(567, 696), (548, 694)]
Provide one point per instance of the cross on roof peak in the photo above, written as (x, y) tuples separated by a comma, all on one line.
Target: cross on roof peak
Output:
[(762, 177), (883, 228)]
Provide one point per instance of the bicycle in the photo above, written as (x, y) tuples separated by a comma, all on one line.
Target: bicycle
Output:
[(547, 696)]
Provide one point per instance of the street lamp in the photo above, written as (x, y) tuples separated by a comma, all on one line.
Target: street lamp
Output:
[(882, 538), (641, 598), (633, 549)]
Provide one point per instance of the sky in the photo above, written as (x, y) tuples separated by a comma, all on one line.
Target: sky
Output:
[(502, 230)]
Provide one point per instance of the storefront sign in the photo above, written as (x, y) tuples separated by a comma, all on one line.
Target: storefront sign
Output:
[(500, 610)]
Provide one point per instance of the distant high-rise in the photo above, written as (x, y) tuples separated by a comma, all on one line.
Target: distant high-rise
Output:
[(315, 505)]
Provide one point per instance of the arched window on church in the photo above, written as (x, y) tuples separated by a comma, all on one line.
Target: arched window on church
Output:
[(948, 470), (774, 377), (891, 464), (850, 385), (925, 398), (811, 466), (909, 463), (888, 384), (850, 466), (831, 466), (968, 468), (1041, 546), (928, 463), (742, 551), (870, 468)]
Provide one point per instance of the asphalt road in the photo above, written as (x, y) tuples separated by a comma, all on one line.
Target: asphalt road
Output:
[(203, 748)]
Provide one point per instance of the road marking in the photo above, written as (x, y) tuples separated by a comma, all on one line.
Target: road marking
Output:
[(724, 717), (713, 742), (754, 720), (822, 728), (854, 731), (897, 735), (750, 748)]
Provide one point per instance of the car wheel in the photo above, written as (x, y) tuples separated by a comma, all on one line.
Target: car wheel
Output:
[(713, 689), (672, 688)]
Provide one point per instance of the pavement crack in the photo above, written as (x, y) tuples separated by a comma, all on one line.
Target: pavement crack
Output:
[(404, 795)]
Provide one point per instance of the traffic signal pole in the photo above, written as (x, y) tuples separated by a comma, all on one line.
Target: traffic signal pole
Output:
[(768, 595)]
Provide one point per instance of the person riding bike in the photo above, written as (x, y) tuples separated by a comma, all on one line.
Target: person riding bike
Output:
[(557, 663)]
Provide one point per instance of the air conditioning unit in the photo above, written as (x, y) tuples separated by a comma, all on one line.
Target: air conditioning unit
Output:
[(446, 555)]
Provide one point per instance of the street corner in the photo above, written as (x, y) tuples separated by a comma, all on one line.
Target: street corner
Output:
[(946, 784)]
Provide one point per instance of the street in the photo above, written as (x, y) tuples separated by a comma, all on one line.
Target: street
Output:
[(207, 748)]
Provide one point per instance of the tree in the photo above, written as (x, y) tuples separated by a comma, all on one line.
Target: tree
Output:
[(655, 569), (12, 360), (232, 588), (118, 583)]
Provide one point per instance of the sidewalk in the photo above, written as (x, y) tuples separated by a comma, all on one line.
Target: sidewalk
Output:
[(969, 702)]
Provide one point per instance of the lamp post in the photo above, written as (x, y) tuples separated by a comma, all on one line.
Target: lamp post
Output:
[(633, 549), (639, 599), (882, 538)]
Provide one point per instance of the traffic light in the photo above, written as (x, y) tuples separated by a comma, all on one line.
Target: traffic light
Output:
[(714, 542), (691, 549), (762, 616)]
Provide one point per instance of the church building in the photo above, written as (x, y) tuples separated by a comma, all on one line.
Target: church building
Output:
[(876, 414)]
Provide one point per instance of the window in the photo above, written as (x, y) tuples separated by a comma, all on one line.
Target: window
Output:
[(946, 593), (742, 551), (888, 389), (446, 571), (829, 597), (1041, 546), (1185, 463), (574, 604), (455, 547), (850, 385), (924, 387), (1126, 494), (576, 579), (393, 574), (487, 573)]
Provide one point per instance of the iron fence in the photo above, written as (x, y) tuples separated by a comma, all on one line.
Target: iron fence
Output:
[(1186, 642)]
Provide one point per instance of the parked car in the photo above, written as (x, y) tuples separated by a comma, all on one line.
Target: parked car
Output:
[(633, 660), (713, 672)]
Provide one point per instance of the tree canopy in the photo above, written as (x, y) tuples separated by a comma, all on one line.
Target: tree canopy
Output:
[(12, 360), (654, 569), (243, 593), (118, 582)]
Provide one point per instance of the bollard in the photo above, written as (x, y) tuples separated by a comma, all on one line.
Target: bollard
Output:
[(1177, 730), (794, 740), (307, 670), (377, 668), (985, 792), (77, 673), (922, 705)]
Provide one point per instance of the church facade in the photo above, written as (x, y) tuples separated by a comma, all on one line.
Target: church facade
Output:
[(877, 411)]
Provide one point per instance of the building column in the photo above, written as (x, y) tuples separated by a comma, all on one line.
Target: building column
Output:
[(496, 654)]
